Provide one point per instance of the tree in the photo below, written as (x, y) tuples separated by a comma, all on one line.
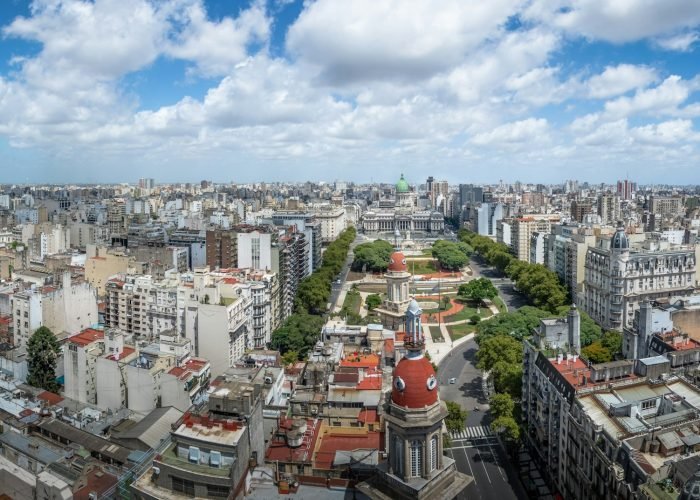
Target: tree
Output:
[(478, 290), (373, 301), (372, 256), (475, 318), (497, 349), (456, 417), (506, 427), (502, 405), (290, 357), (507, 378), (446, 303), (451, 255), (612, 341), (596, 353), (42, 351)]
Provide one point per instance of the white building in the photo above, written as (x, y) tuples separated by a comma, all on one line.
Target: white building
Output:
[(620, 276), (65, 310), (255, 250), (333, 222)]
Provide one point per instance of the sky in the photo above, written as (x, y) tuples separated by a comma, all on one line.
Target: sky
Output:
[(97, 91)]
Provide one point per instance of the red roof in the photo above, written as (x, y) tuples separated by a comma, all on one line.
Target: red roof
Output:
[(87, 336), (332, 441), (178, 372), (397, 262), (98, 481), (230, 281), (279, 450), (369, 383), (196, 364), (50, 397), (414, 384), (125, 352), (361, 360)]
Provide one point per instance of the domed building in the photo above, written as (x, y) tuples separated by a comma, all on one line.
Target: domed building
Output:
[(398, 280), (416, 467), (401, 213)]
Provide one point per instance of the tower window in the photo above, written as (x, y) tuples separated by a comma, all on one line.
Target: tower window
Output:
[(416, 458), (433, 453)]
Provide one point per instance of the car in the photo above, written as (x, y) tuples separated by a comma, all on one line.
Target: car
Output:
[(453, 380)]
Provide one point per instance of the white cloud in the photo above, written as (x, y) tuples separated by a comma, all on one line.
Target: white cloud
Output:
[(366, 40), (666, 133), (524, 131), (661, 100), (217, 47), (616, 21), (616, 80), (679, 43)]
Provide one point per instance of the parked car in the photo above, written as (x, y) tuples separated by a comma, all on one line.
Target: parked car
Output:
[(453, 380)]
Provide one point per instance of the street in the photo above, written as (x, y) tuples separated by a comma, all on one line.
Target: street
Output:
[(476, 449)]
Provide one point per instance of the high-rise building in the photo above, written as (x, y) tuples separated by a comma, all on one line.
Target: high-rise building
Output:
[(609, 208), (221, 248), (626, 189), (147, 183), (580, 208)]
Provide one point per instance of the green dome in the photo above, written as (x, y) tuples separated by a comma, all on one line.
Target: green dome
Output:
[(402, 185)]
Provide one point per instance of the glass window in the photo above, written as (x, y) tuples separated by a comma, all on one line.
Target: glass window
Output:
[(433, 453), (416, 458)]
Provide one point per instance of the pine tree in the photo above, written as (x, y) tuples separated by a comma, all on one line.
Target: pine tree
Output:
[(42, 351)]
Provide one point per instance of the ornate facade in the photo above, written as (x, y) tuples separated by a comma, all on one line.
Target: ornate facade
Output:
[(402, 214), (397, 299), (618, 278)]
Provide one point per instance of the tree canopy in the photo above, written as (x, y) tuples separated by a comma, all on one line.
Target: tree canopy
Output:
[(300, 331), (501, 405), (42, 351), (478, 289), (456, 416), (372, 257), (373, 301), (450, 255)]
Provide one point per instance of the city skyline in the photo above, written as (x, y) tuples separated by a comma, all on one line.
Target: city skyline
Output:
[(287, 91)]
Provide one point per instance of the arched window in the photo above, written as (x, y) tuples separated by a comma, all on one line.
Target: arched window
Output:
[(416, 458), (398, 455), (434, 453)]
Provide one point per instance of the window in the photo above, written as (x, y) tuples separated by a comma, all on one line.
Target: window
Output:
[(398, 455), (648, 404), (214, 491), (184, 486), (433, 453), (416, 458)]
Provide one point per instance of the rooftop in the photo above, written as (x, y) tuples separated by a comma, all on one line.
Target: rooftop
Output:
[(210, 430), (87, 336), (334, 439)]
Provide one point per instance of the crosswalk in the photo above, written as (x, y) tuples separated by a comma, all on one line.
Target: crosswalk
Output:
[(478, 431)]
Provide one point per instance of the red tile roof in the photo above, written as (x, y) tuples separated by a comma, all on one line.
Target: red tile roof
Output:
[(196, 364), (333, 441), (98, 481), (50, 397), (87, 336), (361, 360), (125, 352), (369, 384)]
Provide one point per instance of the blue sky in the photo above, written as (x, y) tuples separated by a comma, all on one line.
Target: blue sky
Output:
[(464, 90)]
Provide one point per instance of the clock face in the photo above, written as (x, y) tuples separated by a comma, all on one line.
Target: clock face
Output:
[(399, 384), (431, 383)]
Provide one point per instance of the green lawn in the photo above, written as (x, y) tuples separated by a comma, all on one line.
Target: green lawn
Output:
[(428, 252), (353, 301), (421, 266), (459, 331), (436, 334), (468, 311)]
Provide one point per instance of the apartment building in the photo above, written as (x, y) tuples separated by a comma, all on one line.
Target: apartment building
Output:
[(521, 230), (65, 310), (619, 275), (603, 431)]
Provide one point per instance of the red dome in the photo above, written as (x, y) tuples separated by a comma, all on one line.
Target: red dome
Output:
[(397, 262), (414, 383)]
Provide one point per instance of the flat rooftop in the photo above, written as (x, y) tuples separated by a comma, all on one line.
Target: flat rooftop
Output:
[(215, 433)]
